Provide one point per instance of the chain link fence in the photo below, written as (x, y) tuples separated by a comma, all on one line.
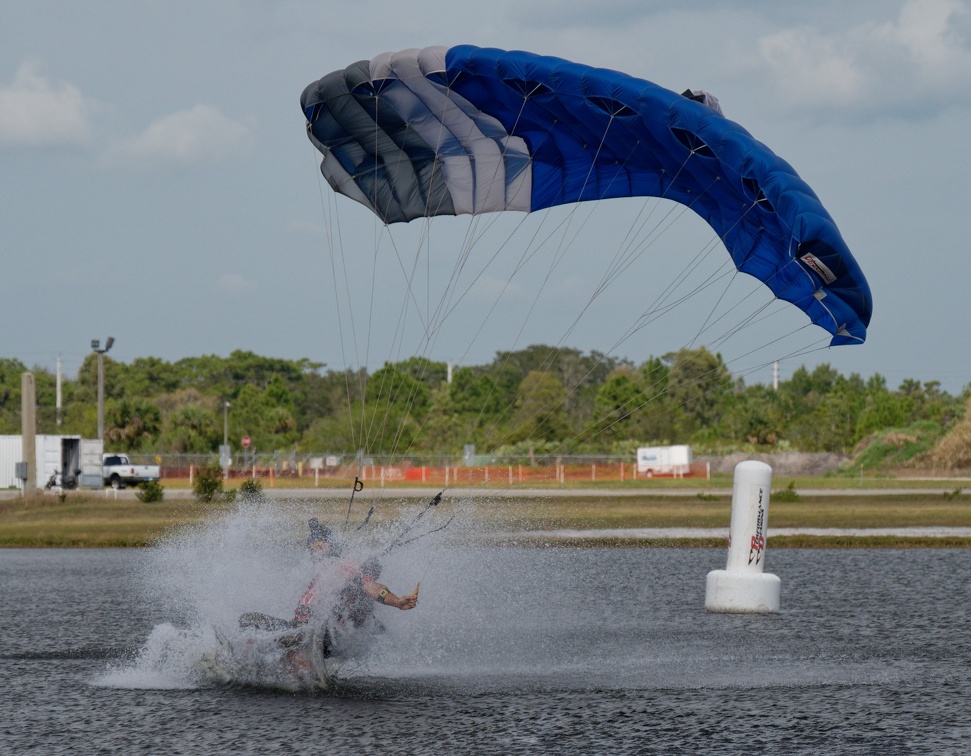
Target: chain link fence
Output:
[(432, 469)]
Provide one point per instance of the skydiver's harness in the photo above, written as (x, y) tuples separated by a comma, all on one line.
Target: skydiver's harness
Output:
[(354, 604)]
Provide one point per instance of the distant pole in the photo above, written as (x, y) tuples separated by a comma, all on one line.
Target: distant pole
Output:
[(101, 396), (28, 425), (57, 410), (96, 346), (775, 375), (225, 458)]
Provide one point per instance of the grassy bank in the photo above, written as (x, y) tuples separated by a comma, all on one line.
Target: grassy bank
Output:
[(94, 520), (776, 542), (717, 483), (659, 511)]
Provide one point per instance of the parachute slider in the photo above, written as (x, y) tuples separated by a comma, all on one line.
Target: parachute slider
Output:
[(358, 486), (705, 98)]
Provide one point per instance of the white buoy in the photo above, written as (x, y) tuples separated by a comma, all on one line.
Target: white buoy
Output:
[(743, 587)]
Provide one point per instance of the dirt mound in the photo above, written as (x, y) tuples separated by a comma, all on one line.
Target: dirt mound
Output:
[(784, 463), (954, 450)]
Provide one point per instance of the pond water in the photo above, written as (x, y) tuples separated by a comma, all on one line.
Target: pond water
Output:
[(511, 650)]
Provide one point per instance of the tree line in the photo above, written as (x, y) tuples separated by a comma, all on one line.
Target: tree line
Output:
[(535, 399)]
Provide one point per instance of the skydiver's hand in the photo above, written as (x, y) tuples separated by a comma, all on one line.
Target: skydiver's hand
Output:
[(407, 602)]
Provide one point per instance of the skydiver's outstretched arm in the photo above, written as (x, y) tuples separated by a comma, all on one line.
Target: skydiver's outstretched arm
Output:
[(383, 595)]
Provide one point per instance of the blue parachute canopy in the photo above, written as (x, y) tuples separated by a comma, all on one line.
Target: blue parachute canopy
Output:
[(453, 130)]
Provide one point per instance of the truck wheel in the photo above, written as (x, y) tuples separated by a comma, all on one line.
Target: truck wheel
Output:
[(116, 482)]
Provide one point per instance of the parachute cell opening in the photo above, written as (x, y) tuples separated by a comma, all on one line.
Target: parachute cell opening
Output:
[(695, 144), (755, 193), (613, 108), (372, 88), (528, 89)]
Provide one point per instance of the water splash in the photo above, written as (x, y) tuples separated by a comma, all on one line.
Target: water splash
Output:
[(253, 559), (168, 661)]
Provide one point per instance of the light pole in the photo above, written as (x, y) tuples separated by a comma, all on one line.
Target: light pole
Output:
[(225, 423), (224, 454), (96, 347)]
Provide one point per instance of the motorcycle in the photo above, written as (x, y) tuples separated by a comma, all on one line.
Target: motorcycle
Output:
[(62, 482)]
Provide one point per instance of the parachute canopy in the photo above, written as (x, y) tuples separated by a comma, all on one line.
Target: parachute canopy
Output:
[(456, 130)]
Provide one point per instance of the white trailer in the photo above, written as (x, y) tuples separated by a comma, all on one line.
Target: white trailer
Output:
[(67, 458), (663, 460)]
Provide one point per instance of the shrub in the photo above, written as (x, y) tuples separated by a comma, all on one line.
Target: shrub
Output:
[(789, 493), (250, 490), (208, 485), (150, 491)]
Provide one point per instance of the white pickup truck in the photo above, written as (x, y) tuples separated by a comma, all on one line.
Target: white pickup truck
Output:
[(119, 472)]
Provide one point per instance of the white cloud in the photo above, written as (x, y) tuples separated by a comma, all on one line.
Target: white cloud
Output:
[(928, 31), (809, 67), (201, 135), (918, 63), (38, 112)]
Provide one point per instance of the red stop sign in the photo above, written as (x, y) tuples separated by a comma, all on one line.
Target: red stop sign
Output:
[(245, 440)]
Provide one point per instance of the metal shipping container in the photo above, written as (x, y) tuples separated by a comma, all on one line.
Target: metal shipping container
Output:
[(59, 456), (11, 452)]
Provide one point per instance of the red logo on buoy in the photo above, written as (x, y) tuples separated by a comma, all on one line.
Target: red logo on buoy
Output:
[(758, 540)]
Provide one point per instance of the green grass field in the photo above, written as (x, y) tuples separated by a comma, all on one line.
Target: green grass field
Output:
[(94, 520)]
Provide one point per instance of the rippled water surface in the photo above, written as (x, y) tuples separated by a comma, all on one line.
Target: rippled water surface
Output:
[(511, 650)]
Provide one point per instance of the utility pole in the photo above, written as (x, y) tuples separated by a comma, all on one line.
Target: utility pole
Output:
[(28, 440), (225, 423), (775, 375), (225, 455), (96, 346), (57, 408)]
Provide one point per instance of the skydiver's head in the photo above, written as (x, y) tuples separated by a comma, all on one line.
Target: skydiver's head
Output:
[(322, 541)]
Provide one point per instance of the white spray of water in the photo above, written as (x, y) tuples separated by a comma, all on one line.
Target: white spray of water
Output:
[(253, 559), (168, 660)]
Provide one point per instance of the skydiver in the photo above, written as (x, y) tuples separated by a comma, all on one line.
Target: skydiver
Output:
[(356, 599)]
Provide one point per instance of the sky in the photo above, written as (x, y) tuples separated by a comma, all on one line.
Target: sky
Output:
[(157, 184)]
